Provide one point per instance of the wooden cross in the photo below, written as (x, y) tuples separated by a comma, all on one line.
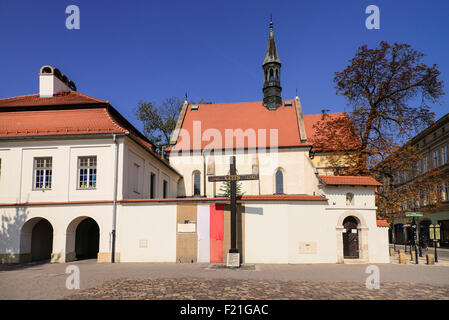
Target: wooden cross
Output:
[(233, 177)]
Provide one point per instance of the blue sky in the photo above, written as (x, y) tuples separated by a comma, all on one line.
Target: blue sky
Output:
[(126, 51)]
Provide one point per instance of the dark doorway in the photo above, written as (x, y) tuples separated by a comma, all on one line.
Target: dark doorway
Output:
[(424, 233), (41, 241), (87, 239), (350, 238)]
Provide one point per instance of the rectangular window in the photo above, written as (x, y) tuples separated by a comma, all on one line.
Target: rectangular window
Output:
[(444, 153), (418, 167), (165, 189), (135, 177), (435, 159), (446, 191), (87, 169), (42, 173), (152, 184), (426, 163)]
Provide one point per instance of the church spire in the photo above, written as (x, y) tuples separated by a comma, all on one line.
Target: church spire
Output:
[(272, 82)]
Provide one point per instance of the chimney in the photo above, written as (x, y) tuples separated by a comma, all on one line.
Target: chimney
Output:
[(52, 81)]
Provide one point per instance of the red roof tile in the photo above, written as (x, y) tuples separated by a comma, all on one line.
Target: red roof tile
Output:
[(349, 180), (62, 98), (382, 223), (251, 116), (57, 122)]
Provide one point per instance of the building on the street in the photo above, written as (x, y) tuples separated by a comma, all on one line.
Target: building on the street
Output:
[(79, 181), (432, 144)]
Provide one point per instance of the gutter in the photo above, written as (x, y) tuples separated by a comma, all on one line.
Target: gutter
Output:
[(114, 200)]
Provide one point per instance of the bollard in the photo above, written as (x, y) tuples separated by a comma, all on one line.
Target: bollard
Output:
[(430, 258), (402, 258), (413, 256)]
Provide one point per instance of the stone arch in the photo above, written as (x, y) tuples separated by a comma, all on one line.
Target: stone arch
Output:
[(82, 239), (362, 229), (36, 240)]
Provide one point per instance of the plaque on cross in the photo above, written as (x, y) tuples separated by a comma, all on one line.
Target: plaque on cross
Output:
[(233, 177)]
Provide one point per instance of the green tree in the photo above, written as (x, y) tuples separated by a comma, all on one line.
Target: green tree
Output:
[(389, 89), (225, 189), (159, 120)]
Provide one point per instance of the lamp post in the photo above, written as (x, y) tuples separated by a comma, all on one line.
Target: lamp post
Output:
[(414, 239)]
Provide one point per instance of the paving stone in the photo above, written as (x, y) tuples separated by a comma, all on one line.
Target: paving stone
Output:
[(237, 289)]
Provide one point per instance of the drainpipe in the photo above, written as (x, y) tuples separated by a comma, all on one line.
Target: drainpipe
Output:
[(204, 174), (114, 204)]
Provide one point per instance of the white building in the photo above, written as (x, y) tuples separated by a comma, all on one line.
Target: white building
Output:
[(75, 174)]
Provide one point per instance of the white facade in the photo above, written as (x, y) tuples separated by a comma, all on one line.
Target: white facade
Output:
[(295, 164)]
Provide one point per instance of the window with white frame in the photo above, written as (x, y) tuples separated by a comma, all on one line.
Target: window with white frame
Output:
[(87, 172), (42, 173), (435, 159), (444, 154)]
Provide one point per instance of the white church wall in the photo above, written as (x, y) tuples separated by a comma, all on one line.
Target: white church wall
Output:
[(289, 232), (299, 177), (364, 197), (379, 247), (147, 232)]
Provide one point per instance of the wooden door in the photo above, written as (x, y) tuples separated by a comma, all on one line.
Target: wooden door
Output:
[(350, 238)]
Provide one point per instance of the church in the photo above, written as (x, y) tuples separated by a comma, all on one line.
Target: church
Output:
[(79, 181)]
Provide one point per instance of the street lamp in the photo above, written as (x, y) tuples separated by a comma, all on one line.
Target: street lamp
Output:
[(414, 239)]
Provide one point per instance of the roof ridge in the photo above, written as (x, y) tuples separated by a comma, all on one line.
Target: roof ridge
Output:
[(22, 96)]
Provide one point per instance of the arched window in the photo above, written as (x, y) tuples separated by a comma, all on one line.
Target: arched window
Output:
[(196, 183), (271, 75), (349, 199), (279, 181)]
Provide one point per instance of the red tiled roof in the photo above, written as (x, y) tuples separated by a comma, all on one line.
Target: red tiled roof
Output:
[(382, 223), (251, 116), (219, 117), (57, 122), (349, 180), (62, 98)]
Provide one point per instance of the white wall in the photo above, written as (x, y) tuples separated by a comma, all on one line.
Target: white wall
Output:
[(59, 216), (16, 181), (147, 232), (274, 232), (299, 177), (134, 155)]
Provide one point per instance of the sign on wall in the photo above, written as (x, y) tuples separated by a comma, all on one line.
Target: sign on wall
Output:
[(189, 227)]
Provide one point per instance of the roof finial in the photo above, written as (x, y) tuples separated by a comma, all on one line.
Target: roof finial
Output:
[(271, 21)]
